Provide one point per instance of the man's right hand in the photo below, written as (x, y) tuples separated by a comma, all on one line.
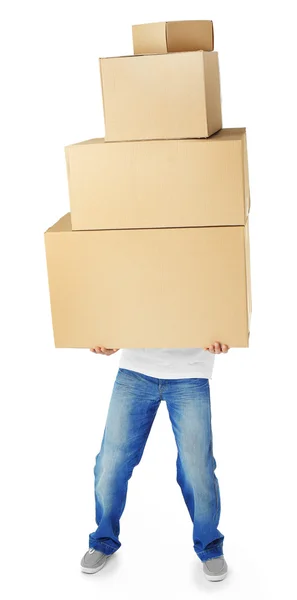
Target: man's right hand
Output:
[(102, 350)]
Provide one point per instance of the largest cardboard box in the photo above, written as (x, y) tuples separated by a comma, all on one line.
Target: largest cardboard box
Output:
[(161, 96), (164, 183), (171, 287)]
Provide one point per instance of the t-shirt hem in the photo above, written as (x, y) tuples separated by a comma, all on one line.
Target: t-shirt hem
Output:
[(170, 375)]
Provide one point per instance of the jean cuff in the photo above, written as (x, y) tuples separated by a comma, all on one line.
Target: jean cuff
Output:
[(102, 547), (214, 552)]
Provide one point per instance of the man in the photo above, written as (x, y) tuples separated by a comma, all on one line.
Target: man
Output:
[(146, 376)]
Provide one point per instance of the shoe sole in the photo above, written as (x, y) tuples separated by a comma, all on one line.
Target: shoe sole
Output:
[(215, 577), (92, 570)]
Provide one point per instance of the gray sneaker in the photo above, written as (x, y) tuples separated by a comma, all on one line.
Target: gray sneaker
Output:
[(215, 569), (93, 561)]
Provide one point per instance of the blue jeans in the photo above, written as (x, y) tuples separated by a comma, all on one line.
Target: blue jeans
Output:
[(133, 406)]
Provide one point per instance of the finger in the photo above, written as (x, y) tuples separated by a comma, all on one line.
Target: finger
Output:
[(211, 348), (217, 346), (225, 348)]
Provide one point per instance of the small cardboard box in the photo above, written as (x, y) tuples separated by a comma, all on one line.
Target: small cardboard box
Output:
[(163, 183), (172, 36), (161, 96), (152, 288)]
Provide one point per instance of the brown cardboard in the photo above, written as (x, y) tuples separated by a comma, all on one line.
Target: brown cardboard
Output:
[(172, 36), (248, 271), (171, 287), (163, 183), (161, 96)]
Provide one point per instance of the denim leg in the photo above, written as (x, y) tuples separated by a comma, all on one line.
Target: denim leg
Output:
[(189, 408), (133, 405)]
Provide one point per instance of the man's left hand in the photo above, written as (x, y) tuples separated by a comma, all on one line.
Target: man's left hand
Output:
[(217, 348)]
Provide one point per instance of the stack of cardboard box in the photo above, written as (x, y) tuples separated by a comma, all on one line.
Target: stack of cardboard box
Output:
[(155, 251)]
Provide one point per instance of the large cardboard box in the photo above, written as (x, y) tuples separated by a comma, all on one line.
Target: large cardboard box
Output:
[(172, 36), (161, 96), (171, 287), (163, 183)]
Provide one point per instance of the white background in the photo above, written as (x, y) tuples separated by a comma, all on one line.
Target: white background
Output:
[(54, 402)]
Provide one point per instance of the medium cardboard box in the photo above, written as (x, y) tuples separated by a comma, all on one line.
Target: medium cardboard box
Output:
[(172, 36), (163, 183), (171, 287), (161, 96)]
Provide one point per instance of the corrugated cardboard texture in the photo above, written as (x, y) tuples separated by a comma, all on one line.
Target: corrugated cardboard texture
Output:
[(165, 96), (164, 183), (175, 287), (172, 36)]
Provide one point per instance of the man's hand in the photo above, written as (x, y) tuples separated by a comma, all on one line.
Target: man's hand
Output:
[(102, 350), (217, 348)]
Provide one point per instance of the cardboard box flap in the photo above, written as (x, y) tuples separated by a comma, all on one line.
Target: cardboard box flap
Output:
[(63, 225), (230, 133), (142, 56)]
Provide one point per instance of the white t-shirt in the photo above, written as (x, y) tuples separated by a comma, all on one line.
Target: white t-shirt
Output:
[(168, 363)]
